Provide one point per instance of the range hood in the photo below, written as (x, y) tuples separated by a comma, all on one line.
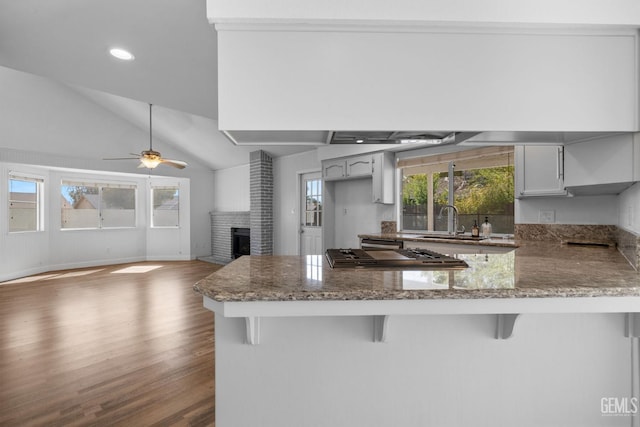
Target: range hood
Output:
[(287, 137), (392, 137)]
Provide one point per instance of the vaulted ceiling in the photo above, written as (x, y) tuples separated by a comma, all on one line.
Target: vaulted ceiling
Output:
[(175, 67)]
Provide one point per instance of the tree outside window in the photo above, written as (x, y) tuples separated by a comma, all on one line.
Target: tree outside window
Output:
[(483, 187)]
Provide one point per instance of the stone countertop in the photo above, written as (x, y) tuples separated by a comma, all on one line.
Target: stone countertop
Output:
[(439, 237), (533, 270)]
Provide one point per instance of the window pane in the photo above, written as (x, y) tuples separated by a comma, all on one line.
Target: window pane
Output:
[(118, 207), (415, 195), (487, 192), (23, 205), (80, 206), (483, 186), (313, 205), (166, 207)]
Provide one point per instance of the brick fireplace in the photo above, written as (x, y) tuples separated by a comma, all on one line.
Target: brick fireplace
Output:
[(222, 224), (258, 220)]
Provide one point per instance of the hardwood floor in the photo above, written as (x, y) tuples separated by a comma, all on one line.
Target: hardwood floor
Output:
[(107, 346)]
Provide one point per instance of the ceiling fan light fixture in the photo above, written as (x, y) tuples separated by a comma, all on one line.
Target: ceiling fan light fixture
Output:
[(122, 54), (150, 163)]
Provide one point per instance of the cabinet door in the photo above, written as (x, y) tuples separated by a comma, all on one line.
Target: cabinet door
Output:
[(359, 166), (539, 171), (601, 161), (383, 178), (334, 169)]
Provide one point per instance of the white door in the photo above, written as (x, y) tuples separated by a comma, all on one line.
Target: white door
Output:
[(311, 214)]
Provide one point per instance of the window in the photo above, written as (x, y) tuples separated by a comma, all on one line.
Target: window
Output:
[(25, 203), (482, 182), (166, 206), (313, 205), (90, 205)]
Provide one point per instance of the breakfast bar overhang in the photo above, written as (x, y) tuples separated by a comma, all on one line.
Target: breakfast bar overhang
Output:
[(519, 345)]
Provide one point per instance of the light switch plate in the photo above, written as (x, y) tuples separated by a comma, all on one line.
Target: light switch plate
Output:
[(547, 217)]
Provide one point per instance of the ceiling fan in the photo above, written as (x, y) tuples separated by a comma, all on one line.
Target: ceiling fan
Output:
[(150, 159)]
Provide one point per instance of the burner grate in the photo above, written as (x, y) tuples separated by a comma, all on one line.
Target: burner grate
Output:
[(399, 258)]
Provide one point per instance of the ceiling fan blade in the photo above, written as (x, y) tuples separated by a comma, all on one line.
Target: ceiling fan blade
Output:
[(122, 158), (175, 163)]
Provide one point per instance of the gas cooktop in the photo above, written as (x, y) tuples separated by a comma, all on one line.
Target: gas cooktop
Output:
[(392, 258)]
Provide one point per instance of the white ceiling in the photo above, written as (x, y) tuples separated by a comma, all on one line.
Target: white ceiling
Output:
[(175, 67)]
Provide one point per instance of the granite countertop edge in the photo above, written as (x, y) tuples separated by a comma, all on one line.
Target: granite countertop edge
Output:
[(433, 294)]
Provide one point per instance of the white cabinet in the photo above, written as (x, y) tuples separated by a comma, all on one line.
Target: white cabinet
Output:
[(539, 171), (377, 166), (602, 166), (383, 178), (360, 166), (334, 169), (351, 167)]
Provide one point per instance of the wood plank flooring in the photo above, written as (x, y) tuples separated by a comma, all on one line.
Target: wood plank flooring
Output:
[(107, 346)]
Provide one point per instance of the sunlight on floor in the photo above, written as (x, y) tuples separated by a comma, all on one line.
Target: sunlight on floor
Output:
[(137, 269), (75, 274), (30, 279), (51, 276)]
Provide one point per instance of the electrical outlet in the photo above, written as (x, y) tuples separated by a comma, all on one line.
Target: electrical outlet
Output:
[(630, 216), (547, 217)]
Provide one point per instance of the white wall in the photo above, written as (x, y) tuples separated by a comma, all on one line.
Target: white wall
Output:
[(55, 249), (231, 189), (286, 211), (384, 78), (434, 370), (569, 210), (629, 209), (355, 213)]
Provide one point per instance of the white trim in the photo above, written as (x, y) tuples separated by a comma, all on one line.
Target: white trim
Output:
[(446, 27), (423, 307)]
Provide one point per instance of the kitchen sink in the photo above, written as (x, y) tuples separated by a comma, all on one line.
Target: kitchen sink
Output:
[(450, 236)]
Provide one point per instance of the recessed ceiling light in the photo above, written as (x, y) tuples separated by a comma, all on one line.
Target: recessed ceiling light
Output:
[(123, 54)]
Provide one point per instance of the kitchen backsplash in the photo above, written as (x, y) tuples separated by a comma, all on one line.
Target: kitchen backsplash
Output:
[(387, 227), (629, 246), (628, 243), (582, 233)]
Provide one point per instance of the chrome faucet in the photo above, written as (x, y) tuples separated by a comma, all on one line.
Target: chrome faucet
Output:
[(455, 220)]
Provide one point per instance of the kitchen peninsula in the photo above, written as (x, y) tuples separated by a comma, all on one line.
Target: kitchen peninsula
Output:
[(504, 342)]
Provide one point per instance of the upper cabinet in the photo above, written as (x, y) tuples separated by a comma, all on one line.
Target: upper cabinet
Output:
[(539, 171), (602, 166), (383, 178), (360, 166), (334, 169), (378, 166)]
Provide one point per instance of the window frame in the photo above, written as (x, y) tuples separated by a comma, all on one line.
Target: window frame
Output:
[(438, 163), (101, 185), (39, 200), (152, 209)]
